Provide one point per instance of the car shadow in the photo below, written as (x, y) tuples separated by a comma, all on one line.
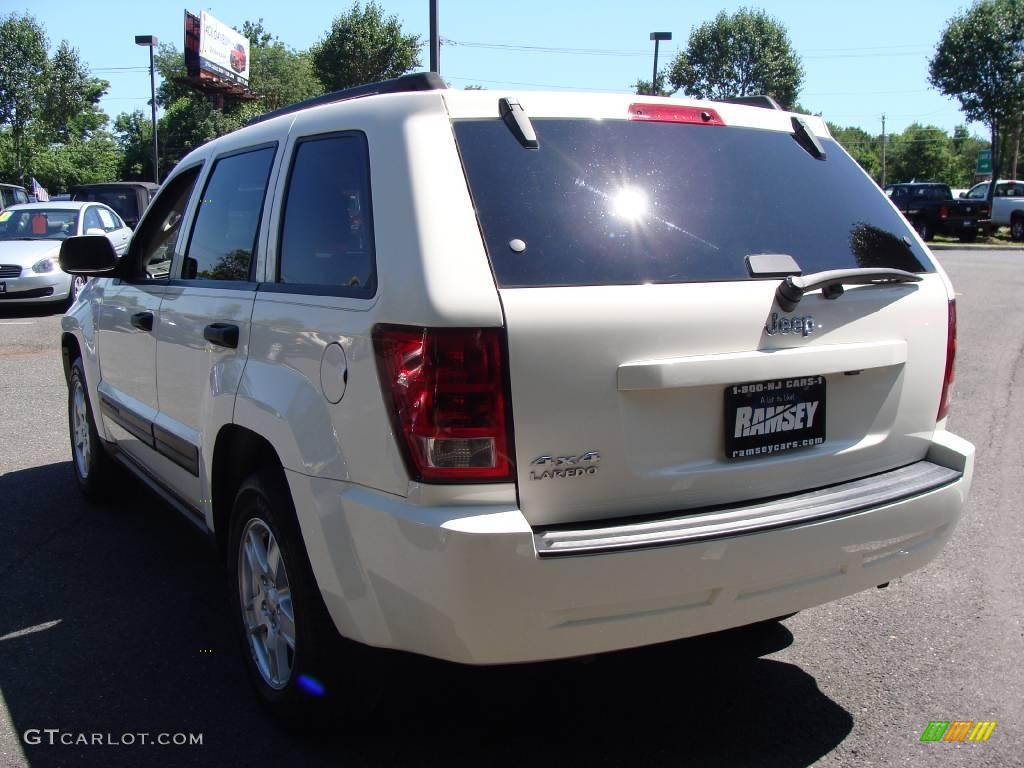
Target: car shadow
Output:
[(115, 622), (14, 311)]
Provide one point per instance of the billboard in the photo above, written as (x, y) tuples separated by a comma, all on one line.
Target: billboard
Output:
[(214, 48)]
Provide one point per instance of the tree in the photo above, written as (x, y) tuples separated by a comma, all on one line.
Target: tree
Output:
[(70, 103), (965, 156), (643, 87), (921, 152), (862, 146), (279, 75), (977, 61), (362, 46), (23, 47), (743, 54)]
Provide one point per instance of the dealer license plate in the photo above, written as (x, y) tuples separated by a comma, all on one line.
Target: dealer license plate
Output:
[(764, 418)]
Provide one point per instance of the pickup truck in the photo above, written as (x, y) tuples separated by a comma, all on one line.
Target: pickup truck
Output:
[(1007, 205), (931, 209)]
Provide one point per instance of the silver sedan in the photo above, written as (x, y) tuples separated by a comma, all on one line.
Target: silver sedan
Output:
[(30, 238)]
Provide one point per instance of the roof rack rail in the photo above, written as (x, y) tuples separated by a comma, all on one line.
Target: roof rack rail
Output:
[(765, 102), (418, 81)]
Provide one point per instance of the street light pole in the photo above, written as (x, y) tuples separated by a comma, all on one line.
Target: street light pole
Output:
[(657, 37), (151, 42), (435, 40)]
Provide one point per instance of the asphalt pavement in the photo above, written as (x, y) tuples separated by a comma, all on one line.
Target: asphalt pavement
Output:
[(113, 621)]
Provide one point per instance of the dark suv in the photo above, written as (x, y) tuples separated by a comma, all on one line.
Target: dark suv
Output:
[(128, 198)]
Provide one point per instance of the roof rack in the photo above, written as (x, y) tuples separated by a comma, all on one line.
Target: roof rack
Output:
[(765, 102), (418, 81)]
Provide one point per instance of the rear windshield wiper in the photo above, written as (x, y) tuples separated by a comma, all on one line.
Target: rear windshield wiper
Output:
[(831, 282)]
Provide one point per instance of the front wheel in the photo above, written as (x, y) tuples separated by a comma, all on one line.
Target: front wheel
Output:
[(924, 229), (89, 461), (301, 668), (77, 284)]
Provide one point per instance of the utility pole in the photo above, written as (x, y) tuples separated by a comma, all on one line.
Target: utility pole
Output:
[(435, 40), (883, 150), (657, 37)]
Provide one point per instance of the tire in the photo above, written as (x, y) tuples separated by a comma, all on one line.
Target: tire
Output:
[(77, 284), (90, 463), (968, 237), (1017, 228), (301, 668), (924, 229)]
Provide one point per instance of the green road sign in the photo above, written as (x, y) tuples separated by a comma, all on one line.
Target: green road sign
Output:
[(984, 164)]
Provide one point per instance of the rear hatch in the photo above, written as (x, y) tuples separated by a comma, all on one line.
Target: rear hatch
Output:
[(650, 370)]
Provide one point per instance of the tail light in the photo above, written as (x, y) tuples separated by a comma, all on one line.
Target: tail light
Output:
[(447, 392), (943, 212), (947, 378)]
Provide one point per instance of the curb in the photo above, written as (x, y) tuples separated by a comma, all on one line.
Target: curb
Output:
[(975, 247)]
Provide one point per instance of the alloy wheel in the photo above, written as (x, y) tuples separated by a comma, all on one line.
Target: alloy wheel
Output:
[(80, 440), (266, 601)]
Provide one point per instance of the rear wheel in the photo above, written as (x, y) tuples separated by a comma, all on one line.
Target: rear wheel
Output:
[(1017, 228), (301, 668), (89, 461), (968, 237), (924, 229)]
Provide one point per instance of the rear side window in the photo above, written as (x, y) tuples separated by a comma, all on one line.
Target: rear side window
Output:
[(326, 231), (108, 219), (227, 222), (92, 218), (615, 202)]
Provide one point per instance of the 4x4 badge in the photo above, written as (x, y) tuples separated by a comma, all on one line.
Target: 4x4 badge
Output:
[(547, 467)]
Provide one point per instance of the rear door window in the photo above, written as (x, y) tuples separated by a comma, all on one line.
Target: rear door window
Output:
[(223, 241), (326, 232), (615, 202)]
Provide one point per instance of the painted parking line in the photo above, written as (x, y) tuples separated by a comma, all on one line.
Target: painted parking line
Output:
[(17, 322)]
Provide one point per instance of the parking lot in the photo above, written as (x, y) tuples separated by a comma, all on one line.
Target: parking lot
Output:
[(115, 621)]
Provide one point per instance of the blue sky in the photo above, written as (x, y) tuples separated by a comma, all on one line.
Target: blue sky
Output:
[(860, 59)]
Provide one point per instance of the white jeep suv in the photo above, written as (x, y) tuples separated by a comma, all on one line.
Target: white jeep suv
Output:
[(502, 378)]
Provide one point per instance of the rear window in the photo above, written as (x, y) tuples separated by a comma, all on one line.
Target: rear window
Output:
[(610, 202)]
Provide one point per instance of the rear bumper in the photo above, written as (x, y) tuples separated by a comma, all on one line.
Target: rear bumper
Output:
[(963, 226), (466, 583)]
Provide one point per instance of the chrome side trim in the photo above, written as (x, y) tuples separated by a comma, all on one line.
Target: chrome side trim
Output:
[(718, 522)]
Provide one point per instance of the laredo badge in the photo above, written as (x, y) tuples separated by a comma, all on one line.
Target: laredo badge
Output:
[(548, 467)]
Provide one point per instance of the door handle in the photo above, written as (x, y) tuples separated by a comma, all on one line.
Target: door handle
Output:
[(222, 334), (143, 321)]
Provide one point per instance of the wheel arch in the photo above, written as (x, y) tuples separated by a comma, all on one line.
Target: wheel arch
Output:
[(238, 452), (69, 350)]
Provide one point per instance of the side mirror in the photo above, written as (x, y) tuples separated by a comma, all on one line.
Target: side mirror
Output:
[(963, 195), (88, 255)]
